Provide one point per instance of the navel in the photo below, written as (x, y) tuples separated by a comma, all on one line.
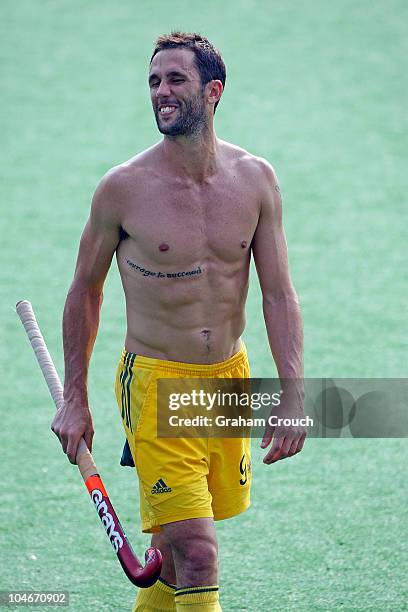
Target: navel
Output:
[(206, 333), (163, 247)]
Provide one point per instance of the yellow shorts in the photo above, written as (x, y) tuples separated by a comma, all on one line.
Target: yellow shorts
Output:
[(181, 478)]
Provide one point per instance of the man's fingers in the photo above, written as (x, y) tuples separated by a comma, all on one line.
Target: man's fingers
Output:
[(301, 442), (268, 435), (64, 441), (294, 447), (70, 428), (274, 451), (283, 451), (88, 437), (285, 448), (285, 444), (72, 448)]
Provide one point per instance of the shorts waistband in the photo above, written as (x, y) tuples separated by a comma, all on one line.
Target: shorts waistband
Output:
[(150, 363)]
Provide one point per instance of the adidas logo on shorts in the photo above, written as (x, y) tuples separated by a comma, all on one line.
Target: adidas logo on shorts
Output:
[(161, 487)]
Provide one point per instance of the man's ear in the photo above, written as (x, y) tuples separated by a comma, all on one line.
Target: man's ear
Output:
[(214, 89)]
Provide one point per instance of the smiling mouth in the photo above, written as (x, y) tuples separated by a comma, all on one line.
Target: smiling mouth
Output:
[(165, 111)]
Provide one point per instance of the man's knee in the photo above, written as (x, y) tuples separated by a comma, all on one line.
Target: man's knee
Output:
[(197, 552), (194, 546), (195, 555)]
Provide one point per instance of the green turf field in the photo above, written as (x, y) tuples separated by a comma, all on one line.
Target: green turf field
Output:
[(316, 87)]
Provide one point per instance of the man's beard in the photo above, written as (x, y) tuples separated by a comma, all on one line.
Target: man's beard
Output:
[(191, 120)]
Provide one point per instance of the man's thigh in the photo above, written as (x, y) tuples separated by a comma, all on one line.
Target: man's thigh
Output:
[(172, 472), (229, 478)]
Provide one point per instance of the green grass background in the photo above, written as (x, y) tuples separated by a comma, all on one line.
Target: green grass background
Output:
[(318, 88)]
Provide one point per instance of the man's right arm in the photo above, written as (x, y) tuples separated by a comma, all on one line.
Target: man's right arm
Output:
[(81, 315)]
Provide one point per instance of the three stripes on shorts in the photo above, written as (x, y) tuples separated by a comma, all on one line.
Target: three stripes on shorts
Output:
[(125, 381)]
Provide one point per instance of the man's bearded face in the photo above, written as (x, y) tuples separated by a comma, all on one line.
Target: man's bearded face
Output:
[(188, 117)]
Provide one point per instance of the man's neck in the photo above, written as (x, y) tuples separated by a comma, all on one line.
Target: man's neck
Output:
[(193, 157)]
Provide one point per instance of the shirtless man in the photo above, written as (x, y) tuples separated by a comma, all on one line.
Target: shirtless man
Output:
[(183, 218)]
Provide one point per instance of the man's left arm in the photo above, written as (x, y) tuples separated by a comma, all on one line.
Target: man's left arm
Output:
[(282, 319)]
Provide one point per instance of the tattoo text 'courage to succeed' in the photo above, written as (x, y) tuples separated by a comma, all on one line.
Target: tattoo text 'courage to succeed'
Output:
[(162, 274)]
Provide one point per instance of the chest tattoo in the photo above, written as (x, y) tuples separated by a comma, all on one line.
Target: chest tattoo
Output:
[(145, 272)]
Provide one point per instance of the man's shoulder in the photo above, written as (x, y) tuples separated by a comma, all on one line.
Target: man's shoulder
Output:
[(124, 180), (130, 170), (256, 167)]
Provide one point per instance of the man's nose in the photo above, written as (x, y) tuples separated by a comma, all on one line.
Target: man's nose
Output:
[(163, 89)]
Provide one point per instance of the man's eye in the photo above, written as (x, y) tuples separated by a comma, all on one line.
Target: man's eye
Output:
[(155, 84), (178, 80)]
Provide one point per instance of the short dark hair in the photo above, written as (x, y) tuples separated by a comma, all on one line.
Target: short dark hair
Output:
[(208, 60)]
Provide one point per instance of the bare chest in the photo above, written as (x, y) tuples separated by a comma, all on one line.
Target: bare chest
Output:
[(170, 223)]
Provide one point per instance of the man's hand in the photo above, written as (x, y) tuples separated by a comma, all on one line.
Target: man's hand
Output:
[(287, 439), (71, 423)]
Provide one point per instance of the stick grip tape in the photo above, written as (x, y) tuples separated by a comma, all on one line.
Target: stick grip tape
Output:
[(25, 311)]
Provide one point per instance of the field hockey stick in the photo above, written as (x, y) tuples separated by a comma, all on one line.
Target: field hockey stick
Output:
[(141, 576)]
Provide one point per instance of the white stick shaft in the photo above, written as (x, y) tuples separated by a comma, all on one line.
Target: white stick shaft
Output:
[(27, 316), (26, 313)]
